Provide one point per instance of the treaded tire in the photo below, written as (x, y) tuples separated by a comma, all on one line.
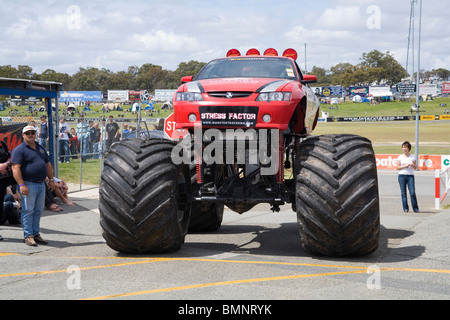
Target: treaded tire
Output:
[(206, 217), (337, 196), (143, 197)]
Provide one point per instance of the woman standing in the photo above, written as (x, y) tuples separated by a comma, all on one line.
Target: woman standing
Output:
[(406, 164)]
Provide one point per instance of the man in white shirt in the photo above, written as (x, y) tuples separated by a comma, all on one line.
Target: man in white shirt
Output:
[(64, 152)]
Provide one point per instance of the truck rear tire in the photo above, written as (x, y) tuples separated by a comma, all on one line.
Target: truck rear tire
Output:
[(143, 197), (337, 196), (206, 217)]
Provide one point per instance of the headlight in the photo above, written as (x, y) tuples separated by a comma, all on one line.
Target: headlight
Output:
[(189, 96), (192, 117), (274, 96), (267, 118)]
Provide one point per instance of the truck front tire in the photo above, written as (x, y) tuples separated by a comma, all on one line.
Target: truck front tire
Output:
[(337, 197), (143, 197)]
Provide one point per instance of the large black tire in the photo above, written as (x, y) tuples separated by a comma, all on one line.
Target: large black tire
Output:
[(337, 196), (206, 217), (143, 197)]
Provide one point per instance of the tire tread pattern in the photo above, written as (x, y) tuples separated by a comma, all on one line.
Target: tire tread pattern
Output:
[(139, 199), (337, 197)]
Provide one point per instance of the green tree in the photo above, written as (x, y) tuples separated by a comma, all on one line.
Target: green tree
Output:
[(383, 67), (52, 75), (148, 76), (90, 79), (190, 68), (21, 72), (118, 81), (322, 77), (338, 71), (442, 73)]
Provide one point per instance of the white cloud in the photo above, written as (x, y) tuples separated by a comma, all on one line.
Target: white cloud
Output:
[(159, 40), (342, 18), (116, 34)]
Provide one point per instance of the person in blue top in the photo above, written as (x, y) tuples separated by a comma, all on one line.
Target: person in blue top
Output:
[(30, 166), (125, 131), (43, 132)]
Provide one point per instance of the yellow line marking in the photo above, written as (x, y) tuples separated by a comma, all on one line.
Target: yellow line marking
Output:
[(139, 260), (274, 263), (150, 259), (232, 261), (416, 270), (222, 283), (4, 254), (86, 268)]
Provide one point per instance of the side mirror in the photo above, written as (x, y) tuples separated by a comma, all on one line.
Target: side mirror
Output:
[(309, 79), (186, 79)]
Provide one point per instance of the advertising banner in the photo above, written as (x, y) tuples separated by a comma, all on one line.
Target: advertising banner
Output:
[(358, 91), (426, 163), (380, 91), (118, 95), (72, 96), (164, 94), (445, 163), (335, 91), (446, 87), (373, 119), (428, 89), (406, 88), (135, 95)]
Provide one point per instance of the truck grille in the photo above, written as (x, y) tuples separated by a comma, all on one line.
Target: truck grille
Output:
[(230, 94)]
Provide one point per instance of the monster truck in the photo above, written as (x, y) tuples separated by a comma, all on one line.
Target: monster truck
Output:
[(244, 124)]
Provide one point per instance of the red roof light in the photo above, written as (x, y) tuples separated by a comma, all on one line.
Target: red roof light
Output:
[(271, 52), (233, 53), (290, 53), (253, 52)]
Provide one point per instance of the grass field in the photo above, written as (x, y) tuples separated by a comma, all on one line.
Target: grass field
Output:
[(397, 108), (387, 137), (346, 109)]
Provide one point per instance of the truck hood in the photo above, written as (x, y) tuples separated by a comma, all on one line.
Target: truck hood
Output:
[(236, 84)]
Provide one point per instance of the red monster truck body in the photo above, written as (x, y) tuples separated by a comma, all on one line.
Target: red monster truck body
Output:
[(246, 124)]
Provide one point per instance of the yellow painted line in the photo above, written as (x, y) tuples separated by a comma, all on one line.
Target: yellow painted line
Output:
[(233, 261), (4, 254), (223, 283), (152, 259), (65, 270), (416, 270), (275, 263)]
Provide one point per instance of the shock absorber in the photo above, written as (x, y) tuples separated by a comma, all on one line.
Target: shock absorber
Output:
[(280, 173), (198, 152), (198, 162)]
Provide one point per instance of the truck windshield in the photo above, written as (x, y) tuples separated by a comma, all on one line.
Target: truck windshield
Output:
[(249, 67)]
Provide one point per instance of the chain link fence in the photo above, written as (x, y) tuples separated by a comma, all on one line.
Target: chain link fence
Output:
[(85, 149)]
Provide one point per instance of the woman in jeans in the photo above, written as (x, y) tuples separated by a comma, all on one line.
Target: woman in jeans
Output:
[(406, 164)]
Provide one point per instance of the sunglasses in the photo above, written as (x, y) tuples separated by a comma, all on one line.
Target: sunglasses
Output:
[(30, 133)]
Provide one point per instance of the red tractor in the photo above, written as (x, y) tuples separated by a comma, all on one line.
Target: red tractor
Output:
[(243, 137)]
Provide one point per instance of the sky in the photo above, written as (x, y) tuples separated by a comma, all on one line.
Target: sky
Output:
[(115, 34)]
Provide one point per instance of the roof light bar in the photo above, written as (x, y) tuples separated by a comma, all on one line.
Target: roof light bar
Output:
[(233, 53), (271, 52), (253, 52), (289, 53)]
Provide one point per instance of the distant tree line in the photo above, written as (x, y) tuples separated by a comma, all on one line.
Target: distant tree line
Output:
[(374, 67), (148, 77)]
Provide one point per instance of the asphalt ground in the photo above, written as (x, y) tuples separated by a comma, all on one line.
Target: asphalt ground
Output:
[(256, 256)]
